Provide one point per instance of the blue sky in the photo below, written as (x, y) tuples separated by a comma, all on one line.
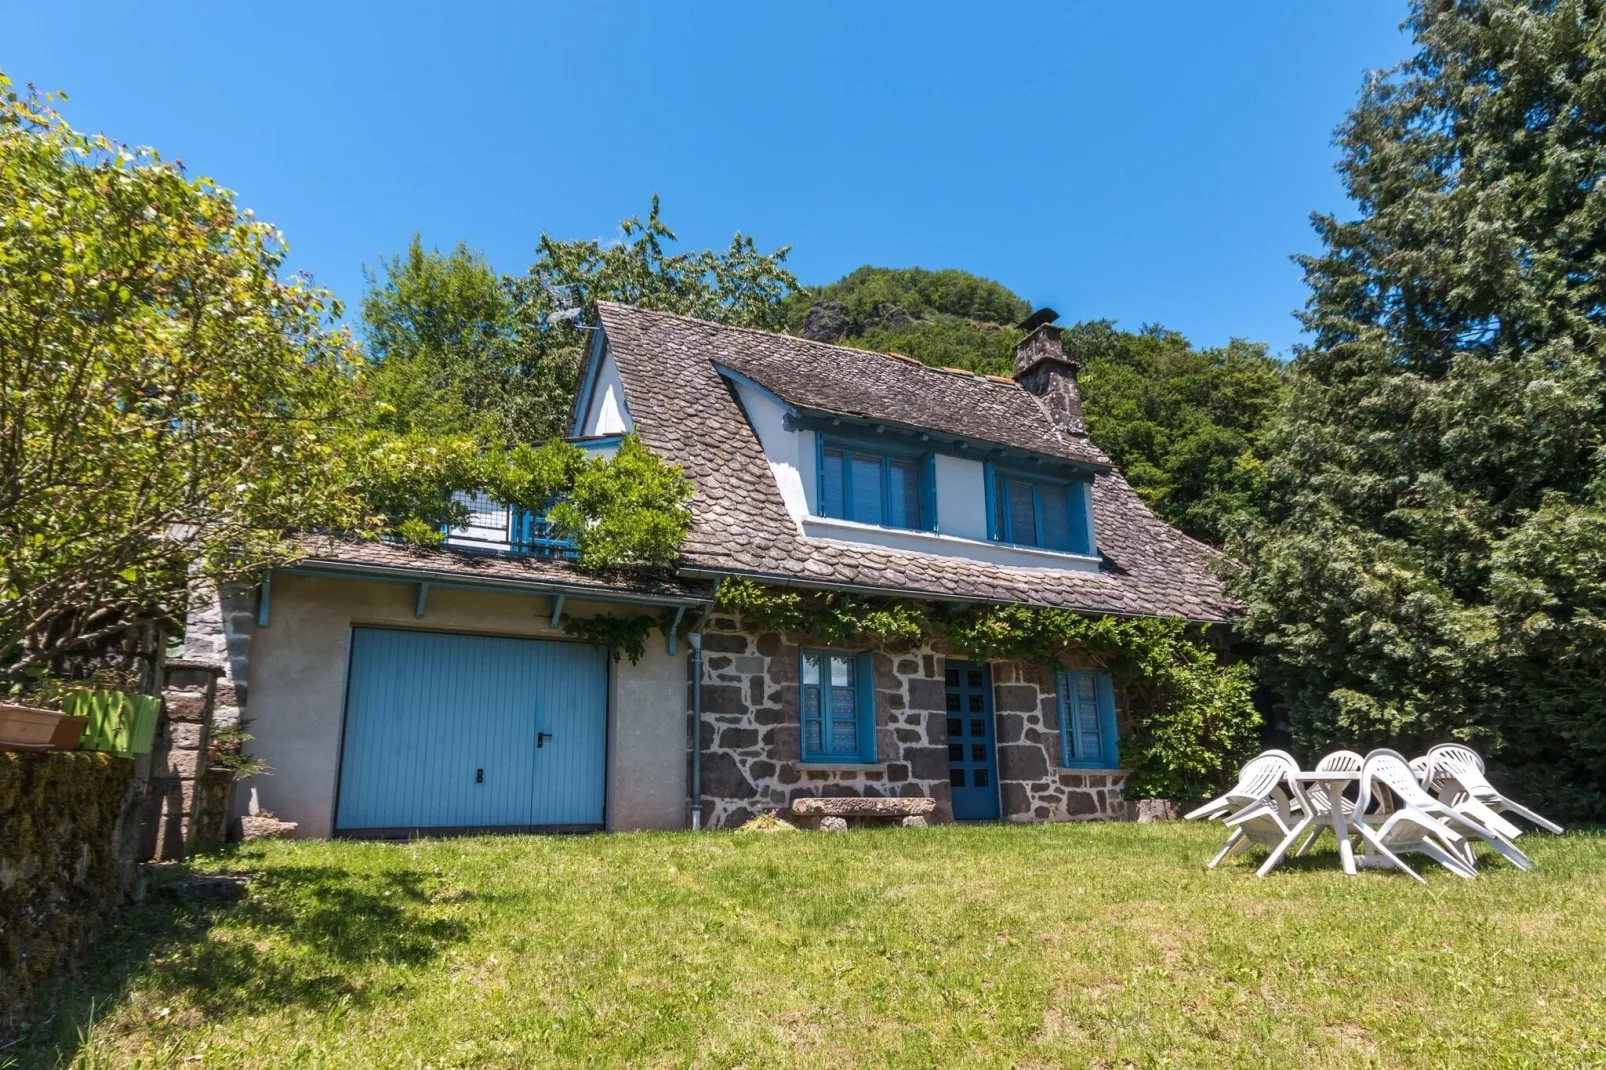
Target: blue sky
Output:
[(1152, 162)]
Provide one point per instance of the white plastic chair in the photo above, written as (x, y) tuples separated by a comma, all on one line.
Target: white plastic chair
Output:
[(1471, 817), (1340, 761), (1396, 773), (1265, 820), (1438, 783), (1409, 827), (1259, 776), (1462, 768)]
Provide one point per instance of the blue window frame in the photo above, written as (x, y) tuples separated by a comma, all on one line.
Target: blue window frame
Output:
[(838, 706), (1029, 510), (872, 484), (1087, 721)]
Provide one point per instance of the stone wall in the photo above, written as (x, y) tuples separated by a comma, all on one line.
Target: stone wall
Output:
[(1035, 787), (67, 820), (751, 735)]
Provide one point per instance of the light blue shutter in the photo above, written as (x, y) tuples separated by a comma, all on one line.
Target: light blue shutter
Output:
[(1110, 754), (810, 673), (1056, 535), (1062, 683), (1087, 720), (903, 493), (832, 482), (990, 495), (1088, 724), (865, 676), (865, 489), (928, 492), (1078, 503), (842, 693), (1021, 513)]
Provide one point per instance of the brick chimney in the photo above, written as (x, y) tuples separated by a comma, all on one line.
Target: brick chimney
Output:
[(1042, 368)]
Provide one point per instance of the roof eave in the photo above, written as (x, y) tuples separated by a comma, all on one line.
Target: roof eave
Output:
[(788, 580)]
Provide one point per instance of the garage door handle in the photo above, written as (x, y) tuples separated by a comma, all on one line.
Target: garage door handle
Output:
[(541, 738)]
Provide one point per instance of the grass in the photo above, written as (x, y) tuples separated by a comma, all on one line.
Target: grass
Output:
[(1093, 945)]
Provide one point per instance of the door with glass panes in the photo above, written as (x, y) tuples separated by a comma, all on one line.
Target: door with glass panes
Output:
[(972, 754)]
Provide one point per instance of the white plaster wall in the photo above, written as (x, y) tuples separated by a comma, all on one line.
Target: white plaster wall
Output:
[(961, 497), (782, 448), (607, 413), (298, 685)]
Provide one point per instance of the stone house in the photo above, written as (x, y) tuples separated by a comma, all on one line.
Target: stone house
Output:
[(396, 690)]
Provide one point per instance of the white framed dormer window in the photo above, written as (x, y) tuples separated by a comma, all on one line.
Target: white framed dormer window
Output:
[(1030, 509), (870, 482)]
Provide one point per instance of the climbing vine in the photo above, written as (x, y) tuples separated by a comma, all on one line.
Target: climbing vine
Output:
[(626, 635), (1192, 717), (621, 635)]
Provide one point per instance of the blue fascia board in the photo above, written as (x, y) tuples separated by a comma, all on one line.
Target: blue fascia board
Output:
[(927, 440), (437, 579), (596, 443)]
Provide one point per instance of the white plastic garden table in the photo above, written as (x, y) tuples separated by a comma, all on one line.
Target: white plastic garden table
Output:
[(1336, 783)]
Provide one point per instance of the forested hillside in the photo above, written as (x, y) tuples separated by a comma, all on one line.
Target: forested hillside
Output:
[(1186, 425)]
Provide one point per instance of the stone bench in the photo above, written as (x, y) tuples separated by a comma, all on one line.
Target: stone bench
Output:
[(832, 813)]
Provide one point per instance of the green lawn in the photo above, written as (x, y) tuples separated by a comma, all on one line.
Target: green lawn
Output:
[(1094, 945)]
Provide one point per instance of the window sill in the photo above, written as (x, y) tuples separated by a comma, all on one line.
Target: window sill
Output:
[(1092, 770), (935, 542), (846, 767)]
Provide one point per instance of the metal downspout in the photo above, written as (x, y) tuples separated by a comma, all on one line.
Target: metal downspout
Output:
[(696, 641)]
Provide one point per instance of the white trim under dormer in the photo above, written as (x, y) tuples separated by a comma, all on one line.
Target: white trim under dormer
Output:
[(831, 529)]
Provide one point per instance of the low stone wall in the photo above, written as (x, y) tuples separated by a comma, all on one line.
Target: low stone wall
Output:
[(752, 747), (67, 822)]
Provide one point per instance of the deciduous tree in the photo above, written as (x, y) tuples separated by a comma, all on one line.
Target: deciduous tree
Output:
[(165, 397)]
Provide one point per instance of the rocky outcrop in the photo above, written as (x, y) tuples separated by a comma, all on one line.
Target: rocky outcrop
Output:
[(825, 321)]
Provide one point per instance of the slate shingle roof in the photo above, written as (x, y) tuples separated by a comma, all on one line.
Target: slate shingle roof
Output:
[(687, 412), (874, 386)]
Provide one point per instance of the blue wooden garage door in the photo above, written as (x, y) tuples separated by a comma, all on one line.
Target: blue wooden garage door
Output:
[(467, 731)]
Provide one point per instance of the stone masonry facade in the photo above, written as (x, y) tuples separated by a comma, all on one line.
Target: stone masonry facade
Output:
[(751, 735)]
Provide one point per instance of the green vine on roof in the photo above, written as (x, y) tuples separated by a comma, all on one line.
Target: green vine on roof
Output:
[(627, 511), (1193, 720)]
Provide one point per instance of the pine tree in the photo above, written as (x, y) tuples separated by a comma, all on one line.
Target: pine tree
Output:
[(1434, 565)]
